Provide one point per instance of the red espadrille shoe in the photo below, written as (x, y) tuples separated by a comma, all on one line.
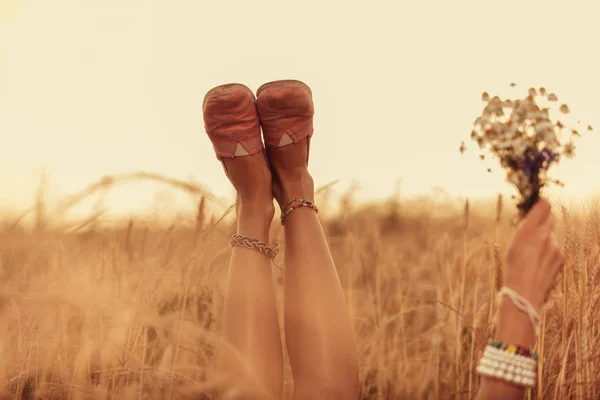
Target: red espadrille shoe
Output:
[(231, 121), (286, 110)]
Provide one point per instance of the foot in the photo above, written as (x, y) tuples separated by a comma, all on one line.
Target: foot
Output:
[(251, 178), (233, 127), (286, 112), (291, 178)]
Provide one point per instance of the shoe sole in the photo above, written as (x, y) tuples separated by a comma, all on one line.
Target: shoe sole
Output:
[(290, 83)]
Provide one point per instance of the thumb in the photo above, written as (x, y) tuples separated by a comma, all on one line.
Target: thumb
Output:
[(538, 214)]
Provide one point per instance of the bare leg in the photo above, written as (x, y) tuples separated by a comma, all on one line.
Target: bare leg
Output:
[(250, 323), (251, 353), (319, 335)]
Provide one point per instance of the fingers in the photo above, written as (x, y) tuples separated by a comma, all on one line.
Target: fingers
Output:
[(538, 214), (547, 226), (554, 258), (540, 227), (546, 238)]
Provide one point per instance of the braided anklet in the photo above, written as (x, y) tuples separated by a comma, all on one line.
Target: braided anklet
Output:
[(254, 244), (295, 204)]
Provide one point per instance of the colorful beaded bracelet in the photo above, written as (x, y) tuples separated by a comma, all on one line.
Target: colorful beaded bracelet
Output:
[(295, 204), (514, 349)]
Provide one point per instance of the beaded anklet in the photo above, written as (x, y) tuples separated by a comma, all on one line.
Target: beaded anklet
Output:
[(513, 364), (295, 204), (254, 244)]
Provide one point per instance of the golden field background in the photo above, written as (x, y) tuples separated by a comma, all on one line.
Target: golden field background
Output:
[(101, 309)]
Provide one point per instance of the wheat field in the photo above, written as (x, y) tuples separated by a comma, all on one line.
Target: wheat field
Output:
[(131, 309)]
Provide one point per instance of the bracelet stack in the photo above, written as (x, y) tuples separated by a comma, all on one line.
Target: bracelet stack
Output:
[(513, 364)]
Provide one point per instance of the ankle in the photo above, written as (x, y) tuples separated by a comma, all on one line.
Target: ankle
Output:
[(297, 185), (254, 218)]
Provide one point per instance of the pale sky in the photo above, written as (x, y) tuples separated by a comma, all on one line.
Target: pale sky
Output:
[(89, 88)]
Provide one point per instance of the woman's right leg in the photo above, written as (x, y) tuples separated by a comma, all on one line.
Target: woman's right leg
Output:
[(250, 322), (319, 337), (251, 335)]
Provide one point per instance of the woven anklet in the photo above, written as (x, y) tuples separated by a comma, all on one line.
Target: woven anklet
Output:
[(295, 204), (254, 244)]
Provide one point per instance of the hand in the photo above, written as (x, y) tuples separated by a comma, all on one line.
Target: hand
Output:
[(534, 259)]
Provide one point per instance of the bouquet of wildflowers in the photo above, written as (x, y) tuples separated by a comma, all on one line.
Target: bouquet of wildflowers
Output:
[(521, 134)]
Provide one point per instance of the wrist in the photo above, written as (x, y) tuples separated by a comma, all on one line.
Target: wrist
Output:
[(514, 325), (531, 295)]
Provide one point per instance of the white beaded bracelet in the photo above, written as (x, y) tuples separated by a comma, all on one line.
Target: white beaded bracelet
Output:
[(510, 367)]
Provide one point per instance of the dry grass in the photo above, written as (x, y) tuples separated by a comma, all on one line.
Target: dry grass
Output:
[(132, 310)]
